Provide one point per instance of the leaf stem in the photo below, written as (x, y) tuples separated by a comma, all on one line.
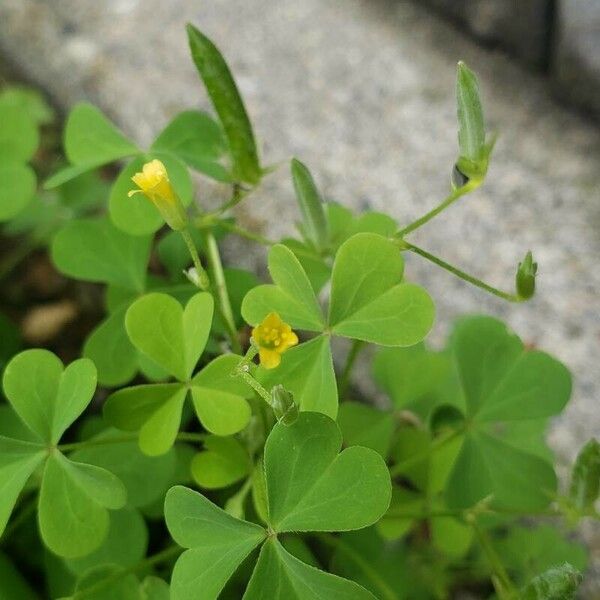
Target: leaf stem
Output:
[(245, 233), (357, 346), (453, 197), (220, 291), (385, 591), (465, 276), (203, 280)]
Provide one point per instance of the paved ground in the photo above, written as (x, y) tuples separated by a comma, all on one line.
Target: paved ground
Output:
[(363, 92)]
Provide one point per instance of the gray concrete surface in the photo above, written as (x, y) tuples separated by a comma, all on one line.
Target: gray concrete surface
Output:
[(363, 92)]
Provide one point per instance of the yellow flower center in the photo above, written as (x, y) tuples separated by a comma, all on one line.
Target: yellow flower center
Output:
[(273, 337)]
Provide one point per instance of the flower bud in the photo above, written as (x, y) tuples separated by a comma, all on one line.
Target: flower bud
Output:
[(283, 404), (153, 181), (525, 279)]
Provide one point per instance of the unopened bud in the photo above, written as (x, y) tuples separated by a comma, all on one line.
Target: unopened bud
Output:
[(525, 279), (283, 404)]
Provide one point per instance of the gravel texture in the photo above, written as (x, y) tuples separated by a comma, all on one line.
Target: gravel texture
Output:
[(363, 92)]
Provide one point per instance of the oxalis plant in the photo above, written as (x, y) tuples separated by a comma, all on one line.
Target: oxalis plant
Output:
[(206, 445)]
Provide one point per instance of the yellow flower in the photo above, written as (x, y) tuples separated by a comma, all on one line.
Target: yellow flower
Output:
[(273, 337), (154, 183)]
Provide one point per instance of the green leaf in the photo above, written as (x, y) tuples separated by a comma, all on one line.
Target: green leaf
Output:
[(95, 250), (91, 140), (72, 507), (503, 384), (223, 461), (363, 425), (154, 410), (170, 336), (13, 585), (198, 140), (410, 376), (313, 488), (146, 478), (218, 544), (30, 100), (107, 582), (471, 126), (559, 583), (280, 576), (311, 205), (226, 100), (109, 348), (137, 215), (19, 137), (292, 296), (306, 371), (219, 398), (18, 460), (369, 303), (17, 190), (154, 588), (125, 544), (46, 397), (585, 478)]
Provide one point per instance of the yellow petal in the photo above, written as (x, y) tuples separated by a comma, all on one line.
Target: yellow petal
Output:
[(269, 359)]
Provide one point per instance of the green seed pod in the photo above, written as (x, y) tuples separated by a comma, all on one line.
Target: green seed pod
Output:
[(560, 583), (283, 404), (525, 279), (585, 478)]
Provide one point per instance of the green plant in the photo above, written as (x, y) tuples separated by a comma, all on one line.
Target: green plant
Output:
[(305, 493)]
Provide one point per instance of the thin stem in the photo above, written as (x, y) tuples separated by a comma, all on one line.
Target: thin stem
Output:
[(242, 370), (504, 586), (203, 280), (237, 196), (357, 346), (151, 561), (469, 278), (385, 591), (453, 197), (220, 291)]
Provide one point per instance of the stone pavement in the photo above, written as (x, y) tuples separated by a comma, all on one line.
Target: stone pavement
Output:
[(363, 92)]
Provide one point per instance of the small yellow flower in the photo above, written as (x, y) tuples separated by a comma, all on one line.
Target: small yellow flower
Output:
[(154, 183), (273, 337)]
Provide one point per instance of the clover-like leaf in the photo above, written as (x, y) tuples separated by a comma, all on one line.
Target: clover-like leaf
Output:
[(280, 576), (291, 296), (46, 396), (306, 371), (369, 303), (72, 507), (95, 250), (217, 544), (311, 487), (170, 336), (19, 136), (503, 384), (363, 425), (219, 398), (12, 583)]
